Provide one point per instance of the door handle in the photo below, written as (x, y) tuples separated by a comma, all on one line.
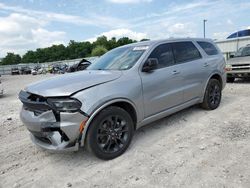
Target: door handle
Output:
[(206, 64), (176, 72)]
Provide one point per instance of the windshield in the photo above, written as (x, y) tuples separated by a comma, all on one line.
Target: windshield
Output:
[(119, 59), (243, 52)]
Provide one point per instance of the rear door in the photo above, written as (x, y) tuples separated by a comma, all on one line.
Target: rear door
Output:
[(192, 68), (162, 87)]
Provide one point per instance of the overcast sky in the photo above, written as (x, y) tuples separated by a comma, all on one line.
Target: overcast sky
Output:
[(30, 24)]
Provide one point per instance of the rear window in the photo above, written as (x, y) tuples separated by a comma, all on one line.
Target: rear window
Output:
[(208, 47), (185, 51)]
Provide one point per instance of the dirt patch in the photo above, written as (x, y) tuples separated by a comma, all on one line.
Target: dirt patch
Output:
[(236, 131)]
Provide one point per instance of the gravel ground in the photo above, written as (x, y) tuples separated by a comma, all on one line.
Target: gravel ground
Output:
[(192, 148)]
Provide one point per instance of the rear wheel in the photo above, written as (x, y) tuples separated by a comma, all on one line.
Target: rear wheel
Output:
[(230, 79), (212, 96), (110, 133)]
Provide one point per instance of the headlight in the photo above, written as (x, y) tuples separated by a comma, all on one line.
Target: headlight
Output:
[(64, 104), (228, 67)]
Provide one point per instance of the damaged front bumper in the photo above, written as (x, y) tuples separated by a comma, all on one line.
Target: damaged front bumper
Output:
[(51, 130)]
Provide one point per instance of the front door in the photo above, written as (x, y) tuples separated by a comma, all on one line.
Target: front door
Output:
[(162, 88)]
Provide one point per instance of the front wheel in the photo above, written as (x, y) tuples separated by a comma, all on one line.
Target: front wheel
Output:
[(212, 95), (110, 133)]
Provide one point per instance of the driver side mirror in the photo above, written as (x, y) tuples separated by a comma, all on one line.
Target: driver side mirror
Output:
[(150, 65)]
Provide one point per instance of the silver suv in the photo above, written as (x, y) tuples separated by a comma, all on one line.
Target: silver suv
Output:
[(126, 88)]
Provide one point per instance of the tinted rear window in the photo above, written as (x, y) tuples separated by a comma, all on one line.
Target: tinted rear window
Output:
[(185, 51), (208, 48)]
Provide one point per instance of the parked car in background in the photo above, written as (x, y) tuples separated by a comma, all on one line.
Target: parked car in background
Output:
[(125, 89), (59, 68), (63, 68), (239, 65), (15, 71), (34, 71), (82, 65), (42, 71), (50, 67), (25, 70)]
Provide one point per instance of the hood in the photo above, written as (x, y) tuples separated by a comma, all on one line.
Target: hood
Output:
[(67, 84), (239, 60)]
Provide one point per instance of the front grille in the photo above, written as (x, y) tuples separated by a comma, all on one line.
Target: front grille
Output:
[(38, 105), (241, 67)]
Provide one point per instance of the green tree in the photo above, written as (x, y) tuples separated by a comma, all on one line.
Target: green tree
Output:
[(98, 51), (29, 57), (125, 40), (72, 51), (11, 59), (144, 40), (78, 49), (112, 43), (101, 41)]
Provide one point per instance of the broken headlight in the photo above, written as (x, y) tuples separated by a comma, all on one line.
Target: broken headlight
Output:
[(64, 104)]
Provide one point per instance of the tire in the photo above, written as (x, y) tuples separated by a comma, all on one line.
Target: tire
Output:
[(230, 79), (212, 97), (107, 139)]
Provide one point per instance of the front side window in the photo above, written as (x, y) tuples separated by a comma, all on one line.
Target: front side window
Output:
[(164, 55), (119, 59), (185, 51), (208, 48), (244, 51), (234, 35)]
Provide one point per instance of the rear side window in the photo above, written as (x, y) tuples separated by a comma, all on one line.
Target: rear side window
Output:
[(185, 51), (208, 47), (164, 55)]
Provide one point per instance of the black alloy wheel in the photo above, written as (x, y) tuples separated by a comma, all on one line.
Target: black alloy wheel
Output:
[(110, 133), (212, 96)]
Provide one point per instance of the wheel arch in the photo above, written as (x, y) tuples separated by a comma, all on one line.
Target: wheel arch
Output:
[(214, 75), (217, 77), (123, 103)]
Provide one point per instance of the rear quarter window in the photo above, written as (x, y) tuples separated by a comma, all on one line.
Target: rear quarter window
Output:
[(208, 47), (185, 51)]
